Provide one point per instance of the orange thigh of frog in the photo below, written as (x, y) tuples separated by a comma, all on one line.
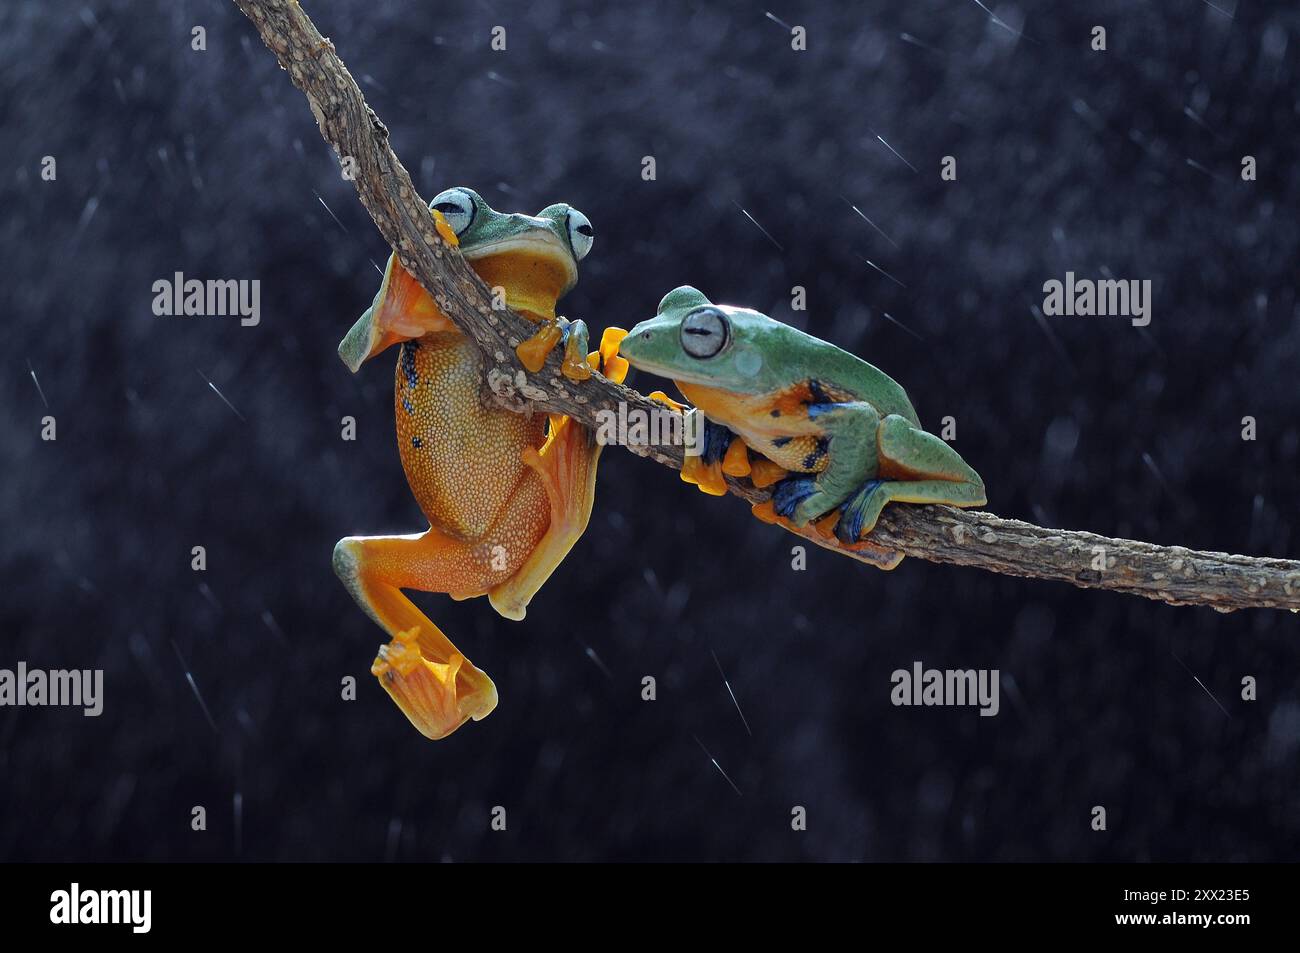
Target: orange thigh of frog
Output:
[(376, 569), (435, 561), (462, 457)]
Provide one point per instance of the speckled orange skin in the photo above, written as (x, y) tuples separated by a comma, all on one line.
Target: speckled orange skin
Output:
[(463, 461), (801, 450)]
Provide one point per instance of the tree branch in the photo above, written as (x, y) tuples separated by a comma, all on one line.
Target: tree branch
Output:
[(937, 533)]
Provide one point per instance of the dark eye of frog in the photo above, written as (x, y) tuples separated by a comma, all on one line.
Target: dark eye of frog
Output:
[(705, 332), (581, 234), (456, 207)]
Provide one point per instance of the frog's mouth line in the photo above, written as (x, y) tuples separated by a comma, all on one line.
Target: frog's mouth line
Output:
[(540, 244), (628, 348), (677, 374)]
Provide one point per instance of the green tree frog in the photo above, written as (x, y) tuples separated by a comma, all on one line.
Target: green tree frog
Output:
[(838, 437)]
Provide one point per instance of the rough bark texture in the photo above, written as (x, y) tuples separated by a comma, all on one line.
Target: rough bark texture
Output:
[(1170, 574)]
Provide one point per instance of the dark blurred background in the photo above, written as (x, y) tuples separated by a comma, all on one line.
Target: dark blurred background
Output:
[(1123, 163)]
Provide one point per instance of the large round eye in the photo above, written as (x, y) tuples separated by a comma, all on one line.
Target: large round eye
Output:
[(705, 332), (456, 207), (580, 234)]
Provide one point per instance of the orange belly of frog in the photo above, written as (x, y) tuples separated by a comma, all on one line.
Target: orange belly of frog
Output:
[(463, 461)]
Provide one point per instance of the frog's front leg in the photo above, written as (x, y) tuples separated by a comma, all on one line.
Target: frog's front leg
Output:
[(915, 467), (534, 351), (429, 678), (849, 432)]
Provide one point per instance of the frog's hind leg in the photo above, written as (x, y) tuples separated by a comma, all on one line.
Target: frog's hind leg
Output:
[(566, 465), (433, 683), (850, 453), (915, 467)]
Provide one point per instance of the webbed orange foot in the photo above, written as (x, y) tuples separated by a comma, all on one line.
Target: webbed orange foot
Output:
[(722, 454), (437, 697), (709, 470), (707, 476), (433, 683), (606, 358), (735, 462)]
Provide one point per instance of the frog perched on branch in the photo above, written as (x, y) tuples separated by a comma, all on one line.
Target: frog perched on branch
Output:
[(938, 533), (507, 495), (843, 431)]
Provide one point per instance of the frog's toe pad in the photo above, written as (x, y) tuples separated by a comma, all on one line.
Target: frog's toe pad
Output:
[(854, 512), (707, 476), (791, 492), (659, 397)]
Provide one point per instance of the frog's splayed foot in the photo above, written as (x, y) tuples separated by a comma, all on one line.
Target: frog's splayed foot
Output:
[(437, 697)]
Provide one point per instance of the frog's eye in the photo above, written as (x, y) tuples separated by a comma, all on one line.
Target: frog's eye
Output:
[(580, 233), (456, 207), (705, 332)]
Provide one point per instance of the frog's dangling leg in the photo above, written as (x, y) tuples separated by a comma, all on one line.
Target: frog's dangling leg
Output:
[(915, 467), (433, 683), (566, 464)]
